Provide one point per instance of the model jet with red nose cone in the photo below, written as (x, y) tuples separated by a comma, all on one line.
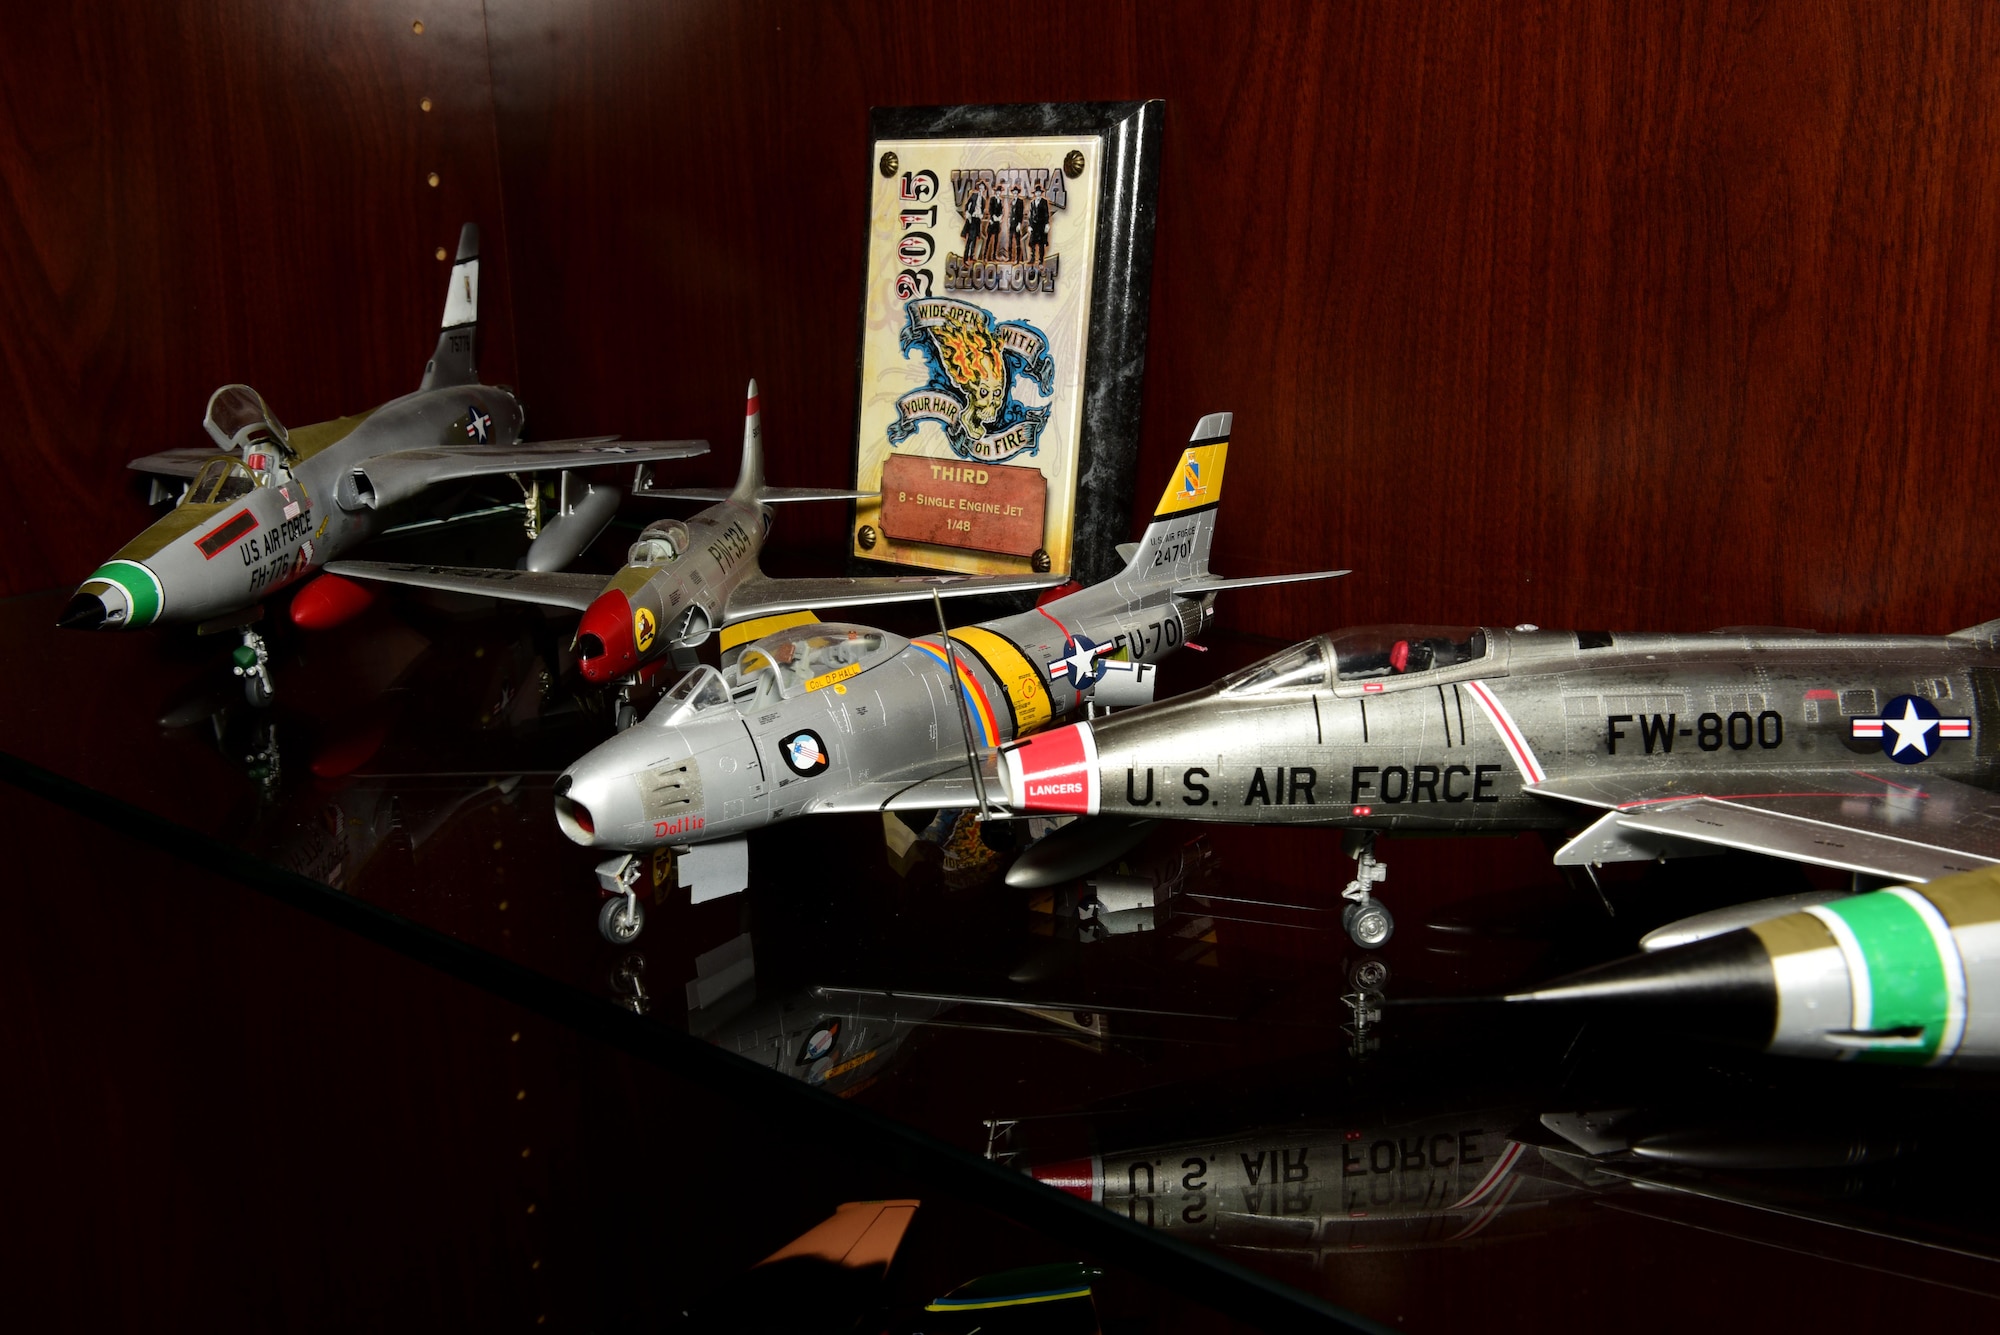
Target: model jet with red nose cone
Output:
[(275, 506), (1872, 754), (685, 578)]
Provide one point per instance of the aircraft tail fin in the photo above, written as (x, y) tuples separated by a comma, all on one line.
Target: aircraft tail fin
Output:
[(456, 361), (1174, 547), (750, 487), (750, 478)]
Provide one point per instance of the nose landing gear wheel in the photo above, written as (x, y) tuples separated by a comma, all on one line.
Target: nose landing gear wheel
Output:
[(1368, 922), (621, 919)]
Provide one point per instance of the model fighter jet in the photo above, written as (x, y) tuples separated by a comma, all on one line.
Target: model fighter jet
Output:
[(685, 577), (836, 717), (274, 505), (1869, 753)]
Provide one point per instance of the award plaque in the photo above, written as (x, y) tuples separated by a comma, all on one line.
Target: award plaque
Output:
[(1003, 335)]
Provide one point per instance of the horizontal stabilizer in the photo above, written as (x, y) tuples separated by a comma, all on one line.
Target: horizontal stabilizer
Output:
[(554, 588), (1212, 584), (759, 595)]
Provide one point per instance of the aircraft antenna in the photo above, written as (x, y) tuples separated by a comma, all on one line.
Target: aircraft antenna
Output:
[(964, 717)]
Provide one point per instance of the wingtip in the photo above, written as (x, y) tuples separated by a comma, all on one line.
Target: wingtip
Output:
[(750, 405)]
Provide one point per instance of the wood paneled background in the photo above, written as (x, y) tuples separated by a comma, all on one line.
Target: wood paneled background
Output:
[(1626, 315)]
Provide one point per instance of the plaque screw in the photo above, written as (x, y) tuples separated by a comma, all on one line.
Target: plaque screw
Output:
[(1072, 164), (889, 164), (1040, 560), (866, 537)]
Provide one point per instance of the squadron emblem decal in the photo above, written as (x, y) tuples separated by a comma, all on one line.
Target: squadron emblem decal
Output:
[(643, 627), (804, 753), (1911, 729)]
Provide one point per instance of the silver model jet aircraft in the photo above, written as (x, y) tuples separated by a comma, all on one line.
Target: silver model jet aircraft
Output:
[(685, 577), (838, 717), (1869, 753), (275, 505)]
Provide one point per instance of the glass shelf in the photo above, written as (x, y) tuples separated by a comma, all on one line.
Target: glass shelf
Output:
[(1226, 1074)]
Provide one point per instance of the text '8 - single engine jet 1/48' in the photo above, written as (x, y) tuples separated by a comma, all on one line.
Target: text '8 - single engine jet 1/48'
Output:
[(684, 578), (816, 718), (276, 505), (1874, 754)]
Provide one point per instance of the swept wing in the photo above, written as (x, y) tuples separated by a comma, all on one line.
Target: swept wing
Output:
[(554, 588), (389, 478), (183, 462), (1910, 828), (925, 787)]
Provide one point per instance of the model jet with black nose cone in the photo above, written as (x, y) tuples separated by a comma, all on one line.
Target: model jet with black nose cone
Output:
[(1873, 754), (685, 578), (269, 507)]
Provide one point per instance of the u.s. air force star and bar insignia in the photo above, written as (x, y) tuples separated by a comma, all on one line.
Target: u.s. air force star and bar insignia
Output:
[(1911, 729), (1082, 662)]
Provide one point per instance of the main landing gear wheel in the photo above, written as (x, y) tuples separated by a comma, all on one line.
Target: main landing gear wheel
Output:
[(621, 919), (1368, 922), (1364, 917)]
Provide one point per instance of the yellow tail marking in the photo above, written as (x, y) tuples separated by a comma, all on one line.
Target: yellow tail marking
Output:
[(1198, 480)]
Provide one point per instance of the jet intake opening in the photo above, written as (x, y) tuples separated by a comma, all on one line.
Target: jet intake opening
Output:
[(575, 819), (589, 646)]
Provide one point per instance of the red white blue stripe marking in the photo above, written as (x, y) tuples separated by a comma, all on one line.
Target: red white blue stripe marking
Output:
[(1510, 732)]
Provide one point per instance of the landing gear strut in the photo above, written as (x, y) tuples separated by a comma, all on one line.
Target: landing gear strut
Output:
[(623, 916), (252, 660), (1365, 917)]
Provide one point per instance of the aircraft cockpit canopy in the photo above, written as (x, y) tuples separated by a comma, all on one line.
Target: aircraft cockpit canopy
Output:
[(1373, 652), (1303, 667), (700, 690), (658, 545), (223, 478), (801, 659)]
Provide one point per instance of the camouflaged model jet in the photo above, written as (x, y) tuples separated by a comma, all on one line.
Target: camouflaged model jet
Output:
[(1874, 754), (820, 717), (685, 577), (273, 506)]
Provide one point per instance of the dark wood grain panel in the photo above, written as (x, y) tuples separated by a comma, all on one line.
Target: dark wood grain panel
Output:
[(1642, 316), (195, 195), (1602, 314)]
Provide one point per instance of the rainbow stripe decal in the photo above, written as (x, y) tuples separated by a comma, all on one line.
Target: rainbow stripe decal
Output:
[(973, 693)]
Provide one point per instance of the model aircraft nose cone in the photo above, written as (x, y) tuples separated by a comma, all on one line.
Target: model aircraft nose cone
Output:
[(86, 611), (573, 816), (605, 643)]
